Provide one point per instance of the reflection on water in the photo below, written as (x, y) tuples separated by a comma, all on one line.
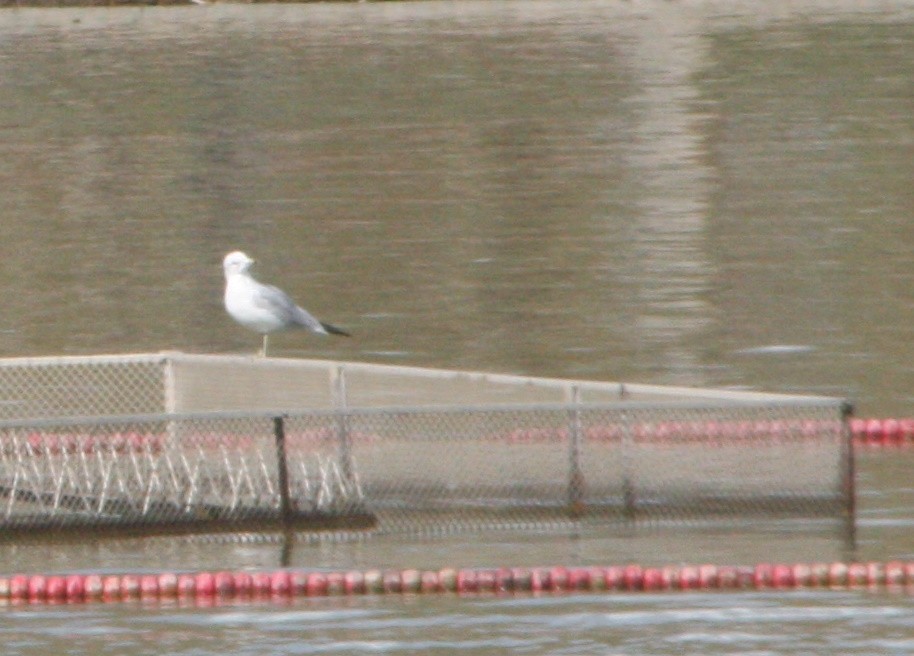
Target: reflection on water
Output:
[(700, 193), (672, 264), (640, 193), (817, 622)]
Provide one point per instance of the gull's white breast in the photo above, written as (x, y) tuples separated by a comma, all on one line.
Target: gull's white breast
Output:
[(240, 292)]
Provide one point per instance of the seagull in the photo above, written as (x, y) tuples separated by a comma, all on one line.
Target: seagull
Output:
[(263, 308)]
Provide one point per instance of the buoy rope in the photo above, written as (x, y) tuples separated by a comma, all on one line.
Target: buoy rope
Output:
[(207, 588), (882, 432), (872, 432)]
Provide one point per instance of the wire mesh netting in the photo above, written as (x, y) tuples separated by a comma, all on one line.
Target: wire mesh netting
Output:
[(409, 469), (542, 465), (159, 473), (171, 382), (173, 443), (32, 388)]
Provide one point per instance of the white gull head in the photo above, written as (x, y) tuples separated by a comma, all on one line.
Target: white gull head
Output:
[(236, 262)]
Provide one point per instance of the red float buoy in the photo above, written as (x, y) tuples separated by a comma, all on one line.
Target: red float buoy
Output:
[(430, 582), (149, 587), (168, 585), (224, 584), (37, 588), (56, 588), (130, 586), (243, 584), (354, 582), (316, 584), (94, 587), (280, 583), (75, 588), (111, 588), (187, 585), (557, 579), (633, 577), (782, 576), (688, 578), (261, 584), (466, 581), (521, 579), (613, 577), (655, 579), (410, 581)]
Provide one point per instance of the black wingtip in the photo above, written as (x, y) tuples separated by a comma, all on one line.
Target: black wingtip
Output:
[(333, 330)]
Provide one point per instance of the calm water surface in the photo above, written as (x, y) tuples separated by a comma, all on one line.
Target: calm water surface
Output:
[(801, 623), (700, 193)]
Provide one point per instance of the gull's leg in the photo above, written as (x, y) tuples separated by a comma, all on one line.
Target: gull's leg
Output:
[(263, 351)]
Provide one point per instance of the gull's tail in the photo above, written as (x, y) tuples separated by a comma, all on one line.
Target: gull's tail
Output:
[(301, 317), (333, 330)]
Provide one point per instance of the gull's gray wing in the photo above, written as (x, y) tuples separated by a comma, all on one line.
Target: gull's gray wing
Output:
[(278, 303)]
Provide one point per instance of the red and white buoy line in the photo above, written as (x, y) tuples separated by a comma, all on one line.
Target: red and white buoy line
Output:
[(875, 432), (210, 588)]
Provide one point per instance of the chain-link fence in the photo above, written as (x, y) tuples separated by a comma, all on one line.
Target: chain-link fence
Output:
[(170, 382), (36, 388), (423, 469), (172, 442)]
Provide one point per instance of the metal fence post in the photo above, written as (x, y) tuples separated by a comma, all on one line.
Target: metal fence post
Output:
[(285, 500), (848, 475), (341, 395), (576, 481), (629, 499), (170, 396)]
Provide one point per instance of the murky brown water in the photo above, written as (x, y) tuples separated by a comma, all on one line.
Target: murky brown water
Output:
[(712, 193)]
